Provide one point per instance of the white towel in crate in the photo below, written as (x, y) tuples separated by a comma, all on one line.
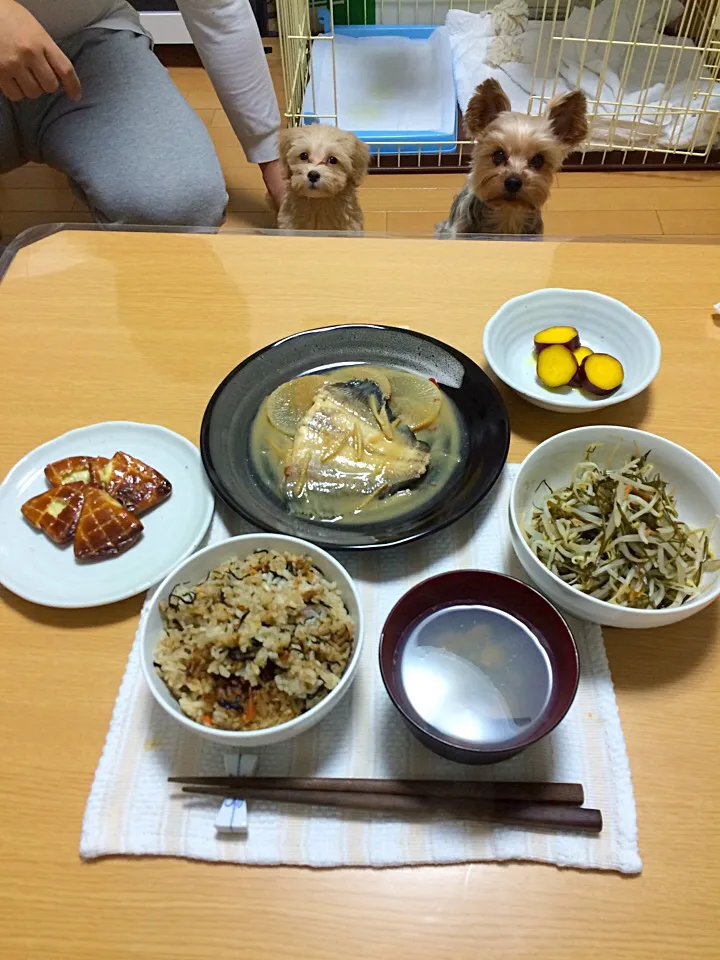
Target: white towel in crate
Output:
[(661, 95)]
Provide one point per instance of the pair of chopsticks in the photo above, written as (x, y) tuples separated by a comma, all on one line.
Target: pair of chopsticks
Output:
[(555, 806)]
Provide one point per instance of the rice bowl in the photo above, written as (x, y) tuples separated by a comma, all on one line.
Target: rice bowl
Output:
[(247, 677), (258, 642)]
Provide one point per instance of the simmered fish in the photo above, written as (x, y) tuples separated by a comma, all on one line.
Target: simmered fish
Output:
[(357, 444), (349, 449)]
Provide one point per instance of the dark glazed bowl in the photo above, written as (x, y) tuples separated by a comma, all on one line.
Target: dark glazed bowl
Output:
[(502, 593), (227, 425)]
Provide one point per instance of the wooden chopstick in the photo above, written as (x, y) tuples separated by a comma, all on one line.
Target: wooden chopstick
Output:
[(537, 792), (518, 812)]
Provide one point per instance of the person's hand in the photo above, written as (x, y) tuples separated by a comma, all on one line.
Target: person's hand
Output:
[(31, 63), (274, 182)]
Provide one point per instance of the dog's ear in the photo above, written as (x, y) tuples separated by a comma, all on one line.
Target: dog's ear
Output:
[(285, 139), (360, 155), (488, 101), (568, 118)]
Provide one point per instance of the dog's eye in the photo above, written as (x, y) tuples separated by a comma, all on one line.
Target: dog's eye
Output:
[(498, 157), (332, 160), (304, 156), (537, 161)]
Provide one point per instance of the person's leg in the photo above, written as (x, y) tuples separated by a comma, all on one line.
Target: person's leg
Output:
[(10, 153), (132, 147)]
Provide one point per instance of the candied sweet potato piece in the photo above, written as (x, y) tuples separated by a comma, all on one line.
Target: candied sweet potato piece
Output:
[(601, 374), (580, 354), (552, 336), (556, 366)]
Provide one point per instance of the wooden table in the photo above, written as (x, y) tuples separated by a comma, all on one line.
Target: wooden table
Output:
[(104, 326)]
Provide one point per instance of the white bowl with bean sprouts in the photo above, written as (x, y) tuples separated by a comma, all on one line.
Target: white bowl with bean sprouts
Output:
[(618, 526)]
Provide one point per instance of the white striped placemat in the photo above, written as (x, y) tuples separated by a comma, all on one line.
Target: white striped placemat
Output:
[(133, 810)]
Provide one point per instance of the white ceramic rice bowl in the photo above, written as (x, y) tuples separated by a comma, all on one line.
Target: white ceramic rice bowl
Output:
[(195, 569)]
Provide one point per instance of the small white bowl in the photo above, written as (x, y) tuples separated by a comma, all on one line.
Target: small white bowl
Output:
[(604, 324), (695, 486), (195, 569)]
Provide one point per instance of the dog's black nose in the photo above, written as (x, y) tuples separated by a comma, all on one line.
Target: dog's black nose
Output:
[(513, 184), (313, 176)]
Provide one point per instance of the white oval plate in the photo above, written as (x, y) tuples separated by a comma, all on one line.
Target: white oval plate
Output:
[(34, 568)]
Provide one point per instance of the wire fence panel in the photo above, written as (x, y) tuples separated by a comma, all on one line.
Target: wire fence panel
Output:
[(650, 70)]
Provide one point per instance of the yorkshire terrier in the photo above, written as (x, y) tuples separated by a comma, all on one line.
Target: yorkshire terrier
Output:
[(514, 161), (323, 167)]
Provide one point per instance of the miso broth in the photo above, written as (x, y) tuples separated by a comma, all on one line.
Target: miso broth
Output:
[(476, 673)]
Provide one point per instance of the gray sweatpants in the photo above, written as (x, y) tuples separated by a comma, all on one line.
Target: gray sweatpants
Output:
[(132, 148)]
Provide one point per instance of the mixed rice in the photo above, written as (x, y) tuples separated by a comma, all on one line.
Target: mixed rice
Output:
[(258, 642)]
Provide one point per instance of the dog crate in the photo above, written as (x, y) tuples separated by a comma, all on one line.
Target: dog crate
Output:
[(650, 70)]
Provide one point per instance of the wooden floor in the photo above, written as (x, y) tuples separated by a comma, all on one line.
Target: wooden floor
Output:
[(628, 204)]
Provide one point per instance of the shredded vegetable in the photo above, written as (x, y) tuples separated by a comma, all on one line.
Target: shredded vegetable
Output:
[(615, 534)]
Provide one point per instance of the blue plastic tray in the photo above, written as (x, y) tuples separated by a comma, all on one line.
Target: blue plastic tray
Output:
[(394, 141)]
